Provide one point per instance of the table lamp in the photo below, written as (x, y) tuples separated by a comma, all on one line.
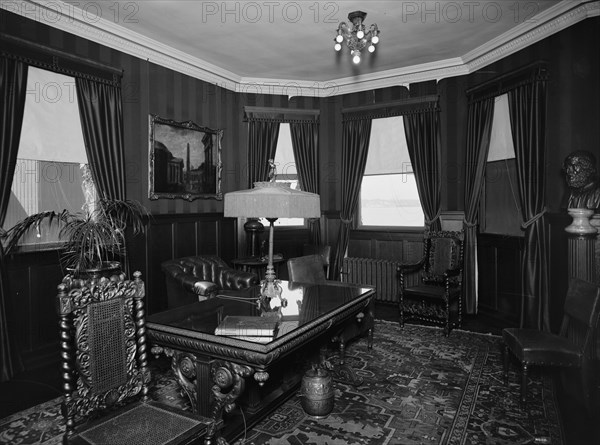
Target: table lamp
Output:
[(272, 200)]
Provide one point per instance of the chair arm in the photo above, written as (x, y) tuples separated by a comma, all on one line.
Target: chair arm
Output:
[(410, 267), (452, 273), (205, 288), (191, 282)]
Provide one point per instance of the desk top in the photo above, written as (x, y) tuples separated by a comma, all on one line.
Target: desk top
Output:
[(312, 309)]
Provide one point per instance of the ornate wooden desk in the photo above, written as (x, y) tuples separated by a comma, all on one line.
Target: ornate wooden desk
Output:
[(223, 375)]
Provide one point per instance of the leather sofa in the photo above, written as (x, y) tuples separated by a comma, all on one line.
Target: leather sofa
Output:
[(194, 278)]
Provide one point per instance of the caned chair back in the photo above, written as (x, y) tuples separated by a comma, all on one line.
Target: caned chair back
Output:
[(443, 251), (103, 340), (306, 269)]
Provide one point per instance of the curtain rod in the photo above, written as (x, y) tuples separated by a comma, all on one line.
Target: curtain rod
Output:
[(56, 52), (497, 81), (395, 103), (255, 109)]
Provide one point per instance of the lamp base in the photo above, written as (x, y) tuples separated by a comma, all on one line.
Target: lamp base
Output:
[(270, 295), (270, 292)]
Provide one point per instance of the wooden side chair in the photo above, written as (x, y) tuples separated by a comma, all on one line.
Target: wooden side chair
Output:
[(306, 269), (572, 347), (323, 250), (104, 366), (309, 269), (437, 298)]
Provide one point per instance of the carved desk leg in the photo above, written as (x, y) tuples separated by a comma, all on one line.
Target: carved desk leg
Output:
[(229, 383), (196, 373)]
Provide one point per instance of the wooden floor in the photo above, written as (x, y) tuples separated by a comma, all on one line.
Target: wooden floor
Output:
[(34, 387)]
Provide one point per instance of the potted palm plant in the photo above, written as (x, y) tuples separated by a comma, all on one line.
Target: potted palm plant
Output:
[(94, 239)]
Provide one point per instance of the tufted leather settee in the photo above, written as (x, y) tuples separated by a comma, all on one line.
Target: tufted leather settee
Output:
[(194, 278)]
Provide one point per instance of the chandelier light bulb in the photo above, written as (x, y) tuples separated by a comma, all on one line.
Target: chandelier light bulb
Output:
[(355, 36)]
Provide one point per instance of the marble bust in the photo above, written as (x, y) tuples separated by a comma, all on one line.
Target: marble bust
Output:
[(582, 180)]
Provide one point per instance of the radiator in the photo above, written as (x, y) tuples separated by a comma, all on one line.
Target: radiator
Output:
[(378, 273)]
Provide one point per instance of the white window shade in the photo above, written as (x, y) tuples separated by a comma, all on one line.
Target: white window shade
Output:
[(284, 156), (48, 172), (51, 104), (388, 152), (501, 143), (388, 195)]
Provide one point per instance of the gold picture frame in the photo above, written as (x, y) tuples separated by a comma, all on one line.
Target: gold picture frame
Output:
[(184, 160)]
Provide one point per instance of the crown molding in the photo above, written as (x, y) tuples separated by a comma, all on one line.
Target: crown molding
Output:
[(554, 19), (68, 18)]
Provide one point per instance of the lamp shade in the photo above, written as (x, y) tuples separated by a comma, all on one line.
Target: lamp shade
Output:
[(272, 200)]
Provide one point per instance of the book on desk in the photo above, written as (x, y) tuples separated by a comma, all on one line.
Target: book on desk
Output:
[(251, 328)]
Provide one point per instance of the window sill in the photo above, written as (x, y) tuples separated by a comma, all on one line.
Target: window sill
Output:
[(404, 229), (33, 248)]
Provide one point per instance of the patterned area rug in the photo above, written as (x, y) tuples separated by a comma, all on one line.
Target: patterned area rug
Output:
[(419, 388)]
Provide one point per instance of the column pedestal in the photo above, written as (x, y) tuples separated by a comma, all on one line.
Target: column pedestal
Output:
[(582, 245)]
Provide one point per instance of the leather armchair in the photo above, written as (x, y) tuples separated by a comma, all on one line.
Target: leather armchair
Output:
[(194, 278)]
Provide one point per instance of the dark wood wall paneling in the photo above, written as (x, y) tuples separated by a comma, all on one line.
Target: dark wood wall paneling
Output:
[(394, 246), (500, 277), (33, 322)]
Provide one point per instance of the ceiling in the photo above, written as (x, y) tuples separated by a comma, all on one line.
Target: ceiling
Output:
[(287, 47)]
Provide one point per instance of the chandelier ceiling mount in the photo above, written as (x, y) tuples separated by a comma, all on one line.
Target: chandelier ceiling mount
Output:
[(355, 36)]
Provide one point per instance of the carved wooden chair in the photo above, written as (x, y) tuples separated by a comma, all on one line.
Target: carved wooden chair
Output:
[(572, 347), (104, 365), (309, 269), (437, 297)]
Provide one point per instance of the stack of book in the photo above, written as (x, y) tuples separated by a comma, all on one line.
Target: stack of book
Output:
[(250, 328)]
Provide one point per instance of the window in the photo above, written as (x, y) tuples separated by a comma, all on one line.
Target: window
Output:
[(500, 201), (51, 162), (388, 194), (286, 171)]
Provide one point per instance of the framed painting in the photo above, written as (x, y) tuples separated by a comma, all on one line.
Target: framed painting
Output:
[(184, 160)]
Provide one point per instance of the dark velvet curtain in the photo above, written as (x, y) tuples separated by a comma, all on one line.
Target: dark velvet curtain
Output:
[(101, 114), (13, 86), (262, 143), (424, 148), (527, 107), (479, 130), (305, 143), (355, 146)]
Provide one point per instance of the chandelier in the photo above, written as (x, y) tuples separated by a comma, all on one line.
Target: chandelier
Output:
[(355, 35)]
